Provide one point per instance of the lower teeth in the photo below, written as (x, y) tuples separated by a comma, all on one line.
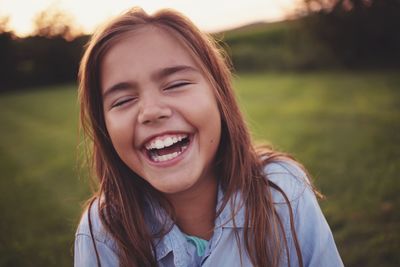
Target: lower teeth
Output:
[(166, 157)]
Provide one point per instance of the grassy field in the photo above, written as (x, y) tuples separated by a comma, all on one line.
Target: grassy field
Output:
[(345, 128)]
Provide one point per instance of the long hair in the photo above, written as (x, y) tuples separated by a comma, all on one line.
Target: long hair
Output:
[(239, 165)]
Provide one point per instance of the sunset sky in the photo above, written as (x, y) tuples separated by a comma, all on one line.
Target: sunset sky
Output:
[(209, 15)]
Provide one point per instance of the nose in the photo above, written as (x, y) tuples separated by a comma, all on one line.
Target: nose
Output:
[(152, 110)]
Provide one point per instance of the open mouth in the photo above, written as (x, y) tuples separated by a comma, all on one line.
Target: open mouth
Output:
[(167, 147)]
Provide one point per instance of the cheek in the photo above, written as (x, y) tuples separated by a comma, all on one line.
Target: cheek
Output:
[(209, 123), (215, 135), (121, 134), (203, 101)]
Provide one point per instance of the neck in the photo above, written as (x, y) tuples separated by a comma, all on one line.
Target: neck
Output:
[(195, 209)]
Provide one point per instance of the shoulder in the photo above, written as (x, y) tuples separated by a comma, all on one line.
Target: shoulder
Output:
[(91, 222), (289, 177), (312, 230), (292, 193), (91, 229)]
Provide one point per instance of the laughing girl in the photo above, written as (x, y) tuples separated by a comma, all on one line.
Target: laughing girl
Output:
[(180, 182)]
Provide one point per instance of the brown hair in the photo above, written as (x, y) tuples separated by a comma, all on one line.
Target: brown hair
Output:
[(238, 163)]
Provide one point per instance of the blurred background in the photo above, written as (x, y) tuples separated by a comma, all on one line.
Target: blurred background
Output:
[(318, 79)]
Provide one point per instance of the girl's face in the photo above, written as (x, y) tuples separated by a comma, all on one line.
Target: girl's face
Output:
[(160, 111)]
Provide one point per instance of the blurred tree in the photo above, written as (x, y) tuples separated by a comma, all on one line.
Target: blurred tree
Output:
[(4, 21), (50, 56), (361, 33), (54, 22), (7, 53)]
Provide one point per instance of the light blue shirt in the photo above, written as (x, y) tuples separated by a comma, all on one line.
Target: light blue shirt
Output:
[(314, 235)]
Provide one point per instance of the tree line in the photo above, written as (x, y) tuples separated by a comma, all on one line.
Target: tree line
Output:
[(324, 34), (359, 33), (50, 55)]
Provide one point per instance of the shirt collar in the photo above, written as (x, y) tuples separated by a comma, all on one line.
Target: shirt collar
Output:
[(156, 216)]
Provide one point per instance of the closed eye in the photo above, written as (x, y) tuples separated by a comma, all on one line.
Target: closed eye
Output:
[(177, 85), (122, 102)]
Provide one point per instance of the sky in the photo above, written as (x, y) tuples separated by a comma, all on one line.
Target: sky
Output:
[(208, 15)]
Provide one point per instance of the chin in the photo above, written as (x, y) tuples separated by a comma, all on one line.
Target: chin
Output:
[(173, 188)]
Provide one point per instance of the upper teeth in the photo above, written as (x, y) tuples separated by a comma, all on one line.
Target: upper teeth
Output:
[(164, 141)]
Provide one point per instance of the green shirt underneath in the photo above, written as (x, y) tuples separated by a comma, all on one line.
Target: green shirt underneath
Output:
[(199, 243)]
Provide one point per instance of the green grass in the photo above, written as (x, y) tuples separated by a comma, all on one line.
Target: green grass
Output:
[(40, 192), (345, 128)]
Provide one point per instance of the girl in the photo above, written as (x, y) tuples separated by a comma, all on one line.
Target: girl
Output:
[(180, 183)]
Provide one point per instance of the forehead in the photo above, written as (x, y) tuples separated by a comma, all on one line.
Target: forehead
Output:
[(148, 36), (137, 53), (142, 50)]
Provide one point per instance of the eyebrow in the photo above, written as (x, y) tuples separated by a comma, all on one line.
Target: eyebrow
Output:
[(172, 70), (119, 87), (158, 75)]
